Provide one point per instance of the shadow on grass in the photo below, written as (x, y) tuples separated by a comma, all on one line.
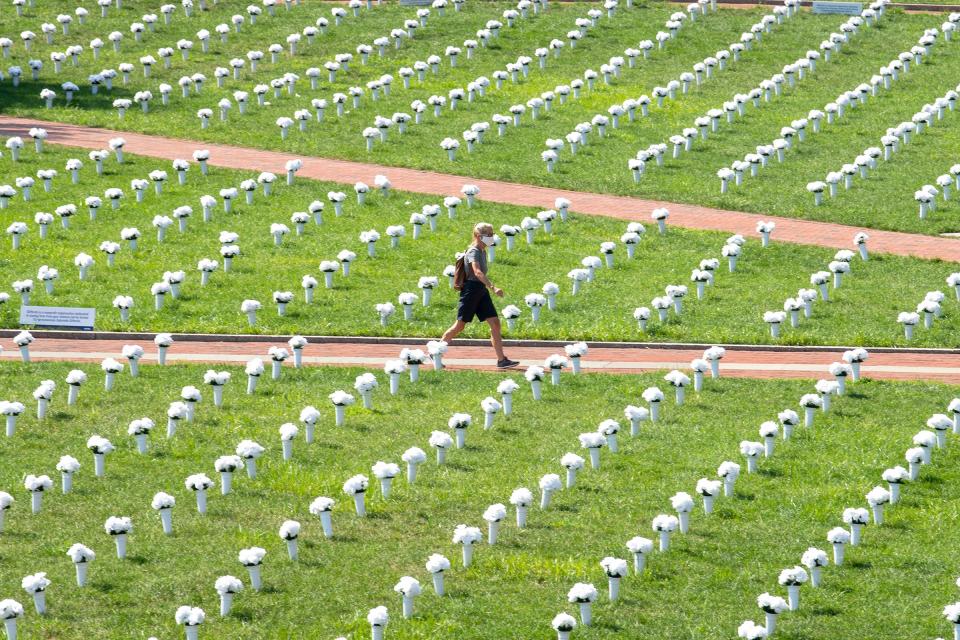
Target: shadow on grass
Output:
[(27, 95)]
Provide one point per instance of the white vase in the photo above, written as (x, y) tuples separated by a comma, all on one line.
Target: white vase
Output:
[(793, 596), (226, 482), (166, 520), (256, 579), (326, 522), (664, 540), (586, 614), (594, 457), (121, 542), (226, 602), (493, 530), (613, 588), (81, 568)]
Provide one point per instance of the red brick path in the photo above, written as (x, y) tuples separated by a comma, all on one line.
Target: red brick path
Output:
[(739, 363), (684, 215)]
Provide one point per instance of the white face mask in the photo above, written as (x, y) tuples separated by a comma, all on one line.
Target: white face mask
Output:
[(487, 240)]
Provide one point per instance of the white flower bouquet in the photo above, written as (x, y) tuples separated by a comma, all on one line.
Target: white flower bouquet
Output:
[(10, 410), (616, 569), (252, 559), (10, 610), (289, 532), (708, 490), (593, 441), (385, 472), (664, 525), (226, 466), (100, 447), (751, 451), (436, 349), (467, 537), (555, 363), (877, 498), (728, 472), (141, 427), (199, 483), (249, 451), (43, 394), (583, 595), (322, 508), (81, 557), (413, 358), (110, 369), (227, 587), (683, 504), (792, 579), (163, 504), (772, 606), (856, 518), (119, 528), (356, 487), (563, 624), (814, 560), (216, 380), (36, 485)]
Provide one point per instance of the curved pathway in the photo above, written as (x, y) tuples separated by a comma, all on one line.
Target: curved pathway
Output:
[(753, 362), (623, 207)]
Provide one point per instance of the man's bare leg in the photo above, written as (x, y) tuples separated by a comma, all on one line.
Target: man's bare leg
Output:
[(496, 337), (453, 331)]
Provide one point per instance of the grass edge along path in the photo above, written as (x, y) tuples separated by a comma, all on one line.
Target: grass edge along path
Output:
[(760, 363)]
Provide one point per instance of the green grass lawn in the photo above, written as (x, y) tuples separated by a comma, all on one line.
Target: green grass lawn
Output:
[(862, 311), (885, 200), (703, 587)]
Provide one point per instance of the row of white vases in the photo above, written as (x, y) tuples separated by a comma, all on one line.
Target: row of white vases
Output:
[(105, 77), (856, 518), (247, 454), (767, 89)]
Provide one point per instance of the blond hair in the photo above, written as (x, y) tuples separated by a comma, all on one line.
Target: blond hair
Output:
[(481, 227)]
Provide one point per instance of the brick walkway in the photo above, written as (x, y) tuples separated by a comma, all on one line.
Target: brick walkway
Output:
[(626, 208), (739, 363)]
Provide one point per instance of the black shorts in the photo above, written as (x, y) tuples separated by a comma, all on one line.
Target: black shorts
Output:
[(475, 301)]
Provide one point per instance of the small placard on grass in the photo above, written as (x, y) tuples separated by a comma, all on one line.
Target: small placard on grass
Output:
[(58, 317), (845, 8)]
